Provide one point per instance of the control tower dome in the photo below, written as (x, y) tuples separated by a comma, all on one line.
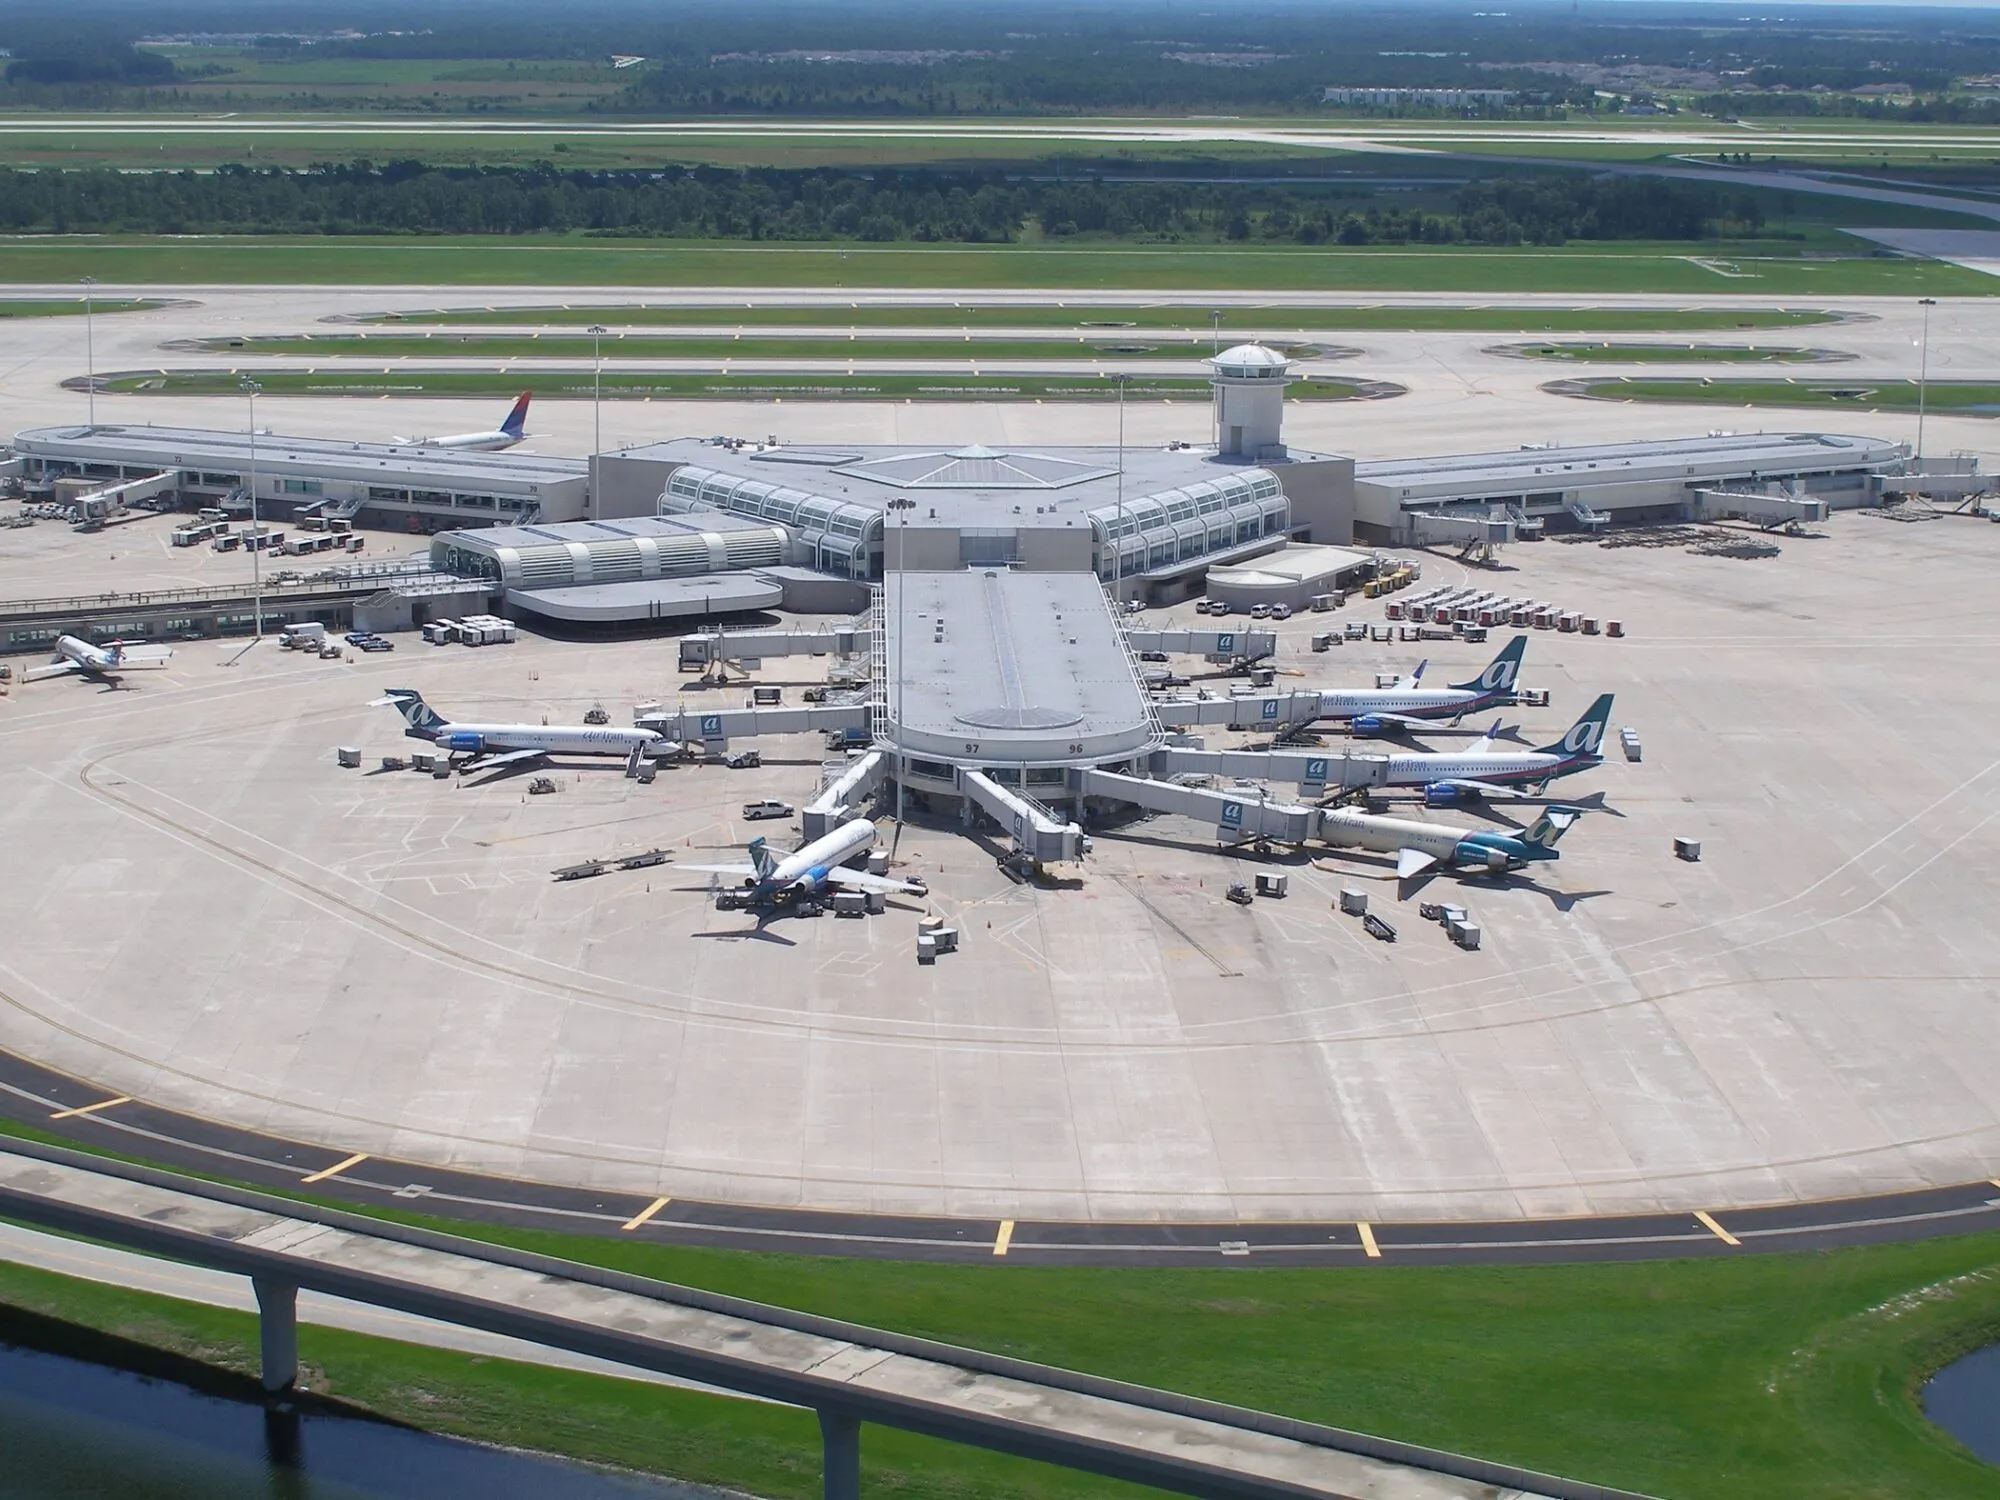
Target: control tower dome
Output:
[(1250, 383)]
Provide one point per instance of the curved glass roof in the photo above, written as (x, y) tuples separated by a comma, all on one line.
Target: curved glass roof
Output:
[(976, 468)]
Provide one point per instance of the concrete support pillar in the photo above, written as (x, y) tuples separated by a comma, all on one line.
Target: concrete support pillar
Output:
[(840, 1445), (278, 1332)]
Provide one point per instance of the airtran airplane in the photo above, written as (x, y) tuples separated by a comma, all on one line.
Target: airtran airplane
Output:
[(772, 880), (1409, 703), (99, 662), (491, 745), (1419, 847), (1491, 769)]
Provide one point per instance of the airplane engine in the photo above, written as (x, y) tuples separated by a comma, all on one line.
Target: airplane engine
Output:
[(464, 744), (1443, 794), (1497, 863), (1367, 726)]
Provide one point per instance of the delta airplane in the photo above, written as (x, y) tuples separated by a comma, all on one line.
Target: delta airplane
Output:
[(1419, 847), (98, 663), (492, 745), (1489, 769), (772, 880), (1409, 703), (506, 435)]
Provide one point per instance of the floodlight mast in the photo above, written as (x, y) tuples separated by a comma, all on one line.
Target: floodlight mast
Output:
[(251, 389), (1923, 375), (902, 505)]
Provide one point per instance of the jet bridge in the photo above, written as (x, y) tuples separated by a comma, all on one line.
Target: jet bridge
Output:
[(1243, 711), (1768, 511), (1313, 774), (1217, 645), (1038, 832), (1236, 817), (705, 648), (835, 802), (714, 728)]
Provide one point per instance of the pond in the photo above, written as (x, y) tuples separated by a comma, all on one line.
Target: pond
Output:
[(72, 1429), (1964, 1399)]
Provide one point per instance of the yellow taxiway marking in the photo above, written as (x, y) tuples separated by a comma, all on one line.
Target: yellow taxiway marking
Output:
[(1368, 1246), (645, 1213), (90, 1109), (1004, 1238), (337, 1168), (1707, 1221)]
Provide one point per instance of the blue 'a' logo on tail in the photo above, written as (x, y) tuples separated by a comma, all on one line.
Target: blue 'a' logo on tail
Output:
[(762, 860), (419, 715), (1585, 739), (517, 419), (1501, 673)]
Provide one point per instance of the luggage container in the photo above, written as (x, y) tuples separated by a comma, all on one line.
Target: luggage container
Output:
[(1567, 623), (1629, 738), (767, 697), (1277, 885), (878, 861), (1321, 603), (1590, 625), (1393, 610), (1353, 901), (1465, 934), (423, 760), (850, 904), (926, 948), (348, 757), (1687, 849), (1323, 643), (1614, 628), (878, 902)]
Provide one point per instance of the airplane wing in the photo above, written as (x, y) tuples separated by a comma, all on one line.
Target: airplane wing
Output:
[(741, 872), (861, 880), (143, 656), (511, 758), (1413, 862), (1493, 789), (52, 669)]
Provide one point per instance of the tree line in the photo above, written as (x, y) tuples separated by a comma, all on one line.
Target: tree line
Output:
[(918, 205)]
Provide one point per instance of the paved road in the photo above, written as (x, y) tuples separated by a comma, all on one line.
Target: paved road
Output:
[(49, 1101)]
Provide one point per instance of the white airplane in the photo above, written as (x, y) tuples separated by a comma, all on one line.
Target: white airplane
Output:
[(1409, 703), (1489, 769), (806, 874), (98, 662), (506, 435), (1421, 846), (491, 745)]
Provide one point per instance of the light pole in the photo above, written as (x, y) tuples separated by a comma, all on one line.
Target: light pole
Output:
[(1923, 375), (90, 349), (1118, 563), (250, 388), (596, 332), (902, 505), (1215, 321)]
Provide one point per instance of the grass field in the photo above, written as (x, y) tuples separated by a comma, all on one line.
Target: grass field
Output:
[(703, 345), (50, 307), (1190, 320), (630, 385), (1757, 1378), (1961, 398), (557, 261), (1676, 354)]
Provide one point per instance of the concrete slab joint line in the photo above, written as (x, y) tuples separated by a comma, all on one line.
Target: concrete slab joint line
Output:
[(849, 1373)]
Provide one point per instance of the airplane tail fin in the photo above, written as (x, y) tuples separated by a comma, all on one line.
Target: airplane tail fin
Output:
[(419, 715), (762, 860), (1501, 673), (1547, 830), (1586, 735), (516, 424)]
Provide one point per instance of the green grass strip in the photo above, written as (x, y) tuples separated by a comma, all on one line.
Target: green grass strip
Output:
[(628, 385), (1965, 398)]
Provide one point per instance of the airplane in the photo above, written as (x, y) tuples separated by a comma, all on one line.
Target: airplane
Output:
[(506, 435), (1419, 847), (98, 663), (1409, 703), (1490, 769), (492, 745), (770, 879)]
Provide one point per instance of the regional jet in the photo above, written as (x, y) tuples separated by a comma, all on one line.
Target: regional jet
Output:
[(771, 880), (492, 745), (1409, 703), (1419, 847), (97, 663), (506, 435)]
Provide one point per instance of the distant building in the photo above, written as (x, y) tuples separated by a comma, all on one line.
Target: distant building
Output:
[(1439, 98)]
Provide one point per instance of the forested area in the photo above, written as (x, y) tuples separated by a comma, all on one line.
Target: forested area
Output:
[(817, 205)]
